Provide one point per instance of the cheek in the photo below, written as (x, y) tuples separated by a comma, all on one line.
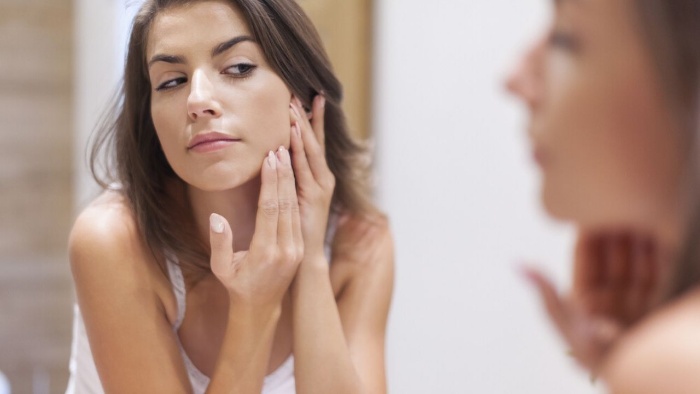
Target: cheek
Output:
[(165, 123), (267, 117), (613, 155)]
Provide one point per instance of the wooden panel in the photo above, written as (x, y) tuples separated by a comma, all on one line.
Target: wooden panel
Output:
[(346, 29), (36, 51)]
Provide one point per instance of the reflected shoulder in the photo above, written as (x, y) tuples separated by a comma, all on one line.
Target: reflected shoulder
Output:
[(661, 354)]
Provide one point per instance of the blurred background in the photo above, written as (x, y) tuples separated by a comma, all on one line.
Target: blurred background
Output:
[(423, 85)]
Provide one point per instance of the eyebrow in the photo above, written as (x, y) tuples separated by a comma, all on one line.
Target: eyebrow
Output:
[(218, 50)]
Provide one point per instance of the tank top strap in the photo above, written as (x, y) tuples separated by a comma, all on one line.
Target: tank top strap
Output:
[(178, 283)]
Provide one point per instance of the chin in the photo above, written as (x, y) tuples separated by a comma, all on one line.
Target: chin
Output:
[(217, 181), (585, 213), (553, 207)]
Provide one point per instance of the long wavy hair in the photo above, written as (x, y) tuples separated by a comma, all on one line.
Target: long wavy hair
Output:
[(126, 149), (672, 29)]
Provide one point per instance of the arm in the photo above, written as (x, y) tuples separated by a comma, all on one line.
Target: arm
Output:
[(134, 346), (131, 339), (338, 344), (343, 340)]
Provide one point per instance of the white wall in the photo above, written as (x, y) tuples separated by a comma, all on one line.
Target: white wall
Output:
[(455, 176), (100, 44)]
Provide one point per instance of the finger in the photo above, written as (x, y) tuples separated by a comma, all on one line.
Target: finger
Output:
[(221, 242), (595, 336), (619, 255), (315, 153), (302, 171), (554, 305), (618, 274), (287, 201), (318, 109), (643, 280), (268, 205), (588, 263), (647, 274)]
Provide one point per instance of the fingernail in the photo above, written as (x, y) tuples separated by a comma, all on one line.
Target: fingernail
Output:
[(527, 272), (280, 152), (297, 130), (216, 223), (271, 160), (323, 102)]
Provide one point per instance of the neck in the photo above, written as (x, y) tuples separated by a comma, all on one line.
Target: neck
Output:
[(239, 206)]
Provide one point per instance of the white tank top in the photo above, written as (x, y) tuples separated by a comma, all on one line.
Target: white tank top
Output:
[(83, 373)]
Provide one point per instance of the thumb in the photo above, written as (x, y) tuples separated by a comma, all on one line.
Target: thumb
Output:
[(221, 241), (554, 304), (604, 331)]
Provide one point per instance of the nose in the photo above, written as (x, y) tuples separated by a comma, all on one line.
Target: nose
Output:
[(526, 79), (201, 103)]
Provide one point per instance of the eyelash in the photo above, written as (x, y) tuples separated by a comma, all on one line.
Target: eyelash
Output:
[(562, 40), (247, 69)]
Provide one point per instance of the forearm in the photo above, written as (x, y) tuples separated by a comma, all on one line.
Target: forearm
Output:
[(322, 359), (245, 352)]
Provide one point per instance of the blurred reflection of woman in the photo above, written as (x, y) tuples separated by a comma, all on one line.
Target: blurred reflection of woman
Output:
[(235, 249), (612, 92)]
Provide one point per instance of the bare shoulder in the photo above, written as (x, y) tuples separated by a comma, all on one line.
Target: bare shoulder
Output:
[(661, 355), (106, 251), (363, 253), (106, 222), (363, 240), (105, 230)]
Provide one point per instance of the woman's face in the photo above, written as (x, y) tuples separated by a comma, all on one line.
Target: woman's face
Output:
[(217, 106), (600, 128)]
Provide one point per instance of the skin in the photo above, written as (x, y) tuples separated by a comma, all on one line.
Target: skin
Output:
[(612, 161), (263, 203)]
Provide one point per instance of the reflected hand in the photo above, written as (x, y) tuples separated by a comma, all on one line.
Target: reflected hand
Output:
[(615, 283)]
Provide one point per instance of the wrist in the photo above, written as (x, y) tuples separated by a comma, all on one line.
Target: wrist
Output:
[(256, 313), (315, 262)]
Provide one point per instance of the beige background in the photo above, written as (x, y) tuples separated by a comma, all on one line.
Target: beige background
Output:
[(36, 51), (36, 170)]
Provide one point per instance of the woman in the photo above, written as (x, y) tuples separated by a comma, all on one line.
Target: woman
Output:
[(613, 96), (204, 268)]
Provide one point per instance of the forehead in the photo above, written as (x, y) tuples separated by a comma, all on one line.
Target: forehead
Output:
[(200, 24), (607, 22)]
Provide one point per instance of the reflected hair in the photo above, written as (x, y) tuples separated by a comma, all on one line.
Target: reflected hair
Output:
[(672, 28), (125, 147)]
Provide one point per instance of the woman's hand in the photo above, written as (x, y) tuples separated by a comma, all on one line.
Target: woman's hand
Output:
[(615, 285), (315, 181), (262, 274)]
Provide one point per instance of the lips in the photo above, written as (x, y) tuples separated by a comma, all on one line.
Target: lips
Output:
[(539, 156), (213, 138)]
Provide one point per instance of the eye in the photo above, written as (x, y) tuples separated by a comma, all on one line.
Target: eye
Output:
[(563, 40), (240, 70), (173, 83)]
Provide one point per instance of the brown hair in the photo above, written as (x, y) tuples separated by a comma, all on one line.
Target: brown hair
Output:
[(672, 28), (126, 148)]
